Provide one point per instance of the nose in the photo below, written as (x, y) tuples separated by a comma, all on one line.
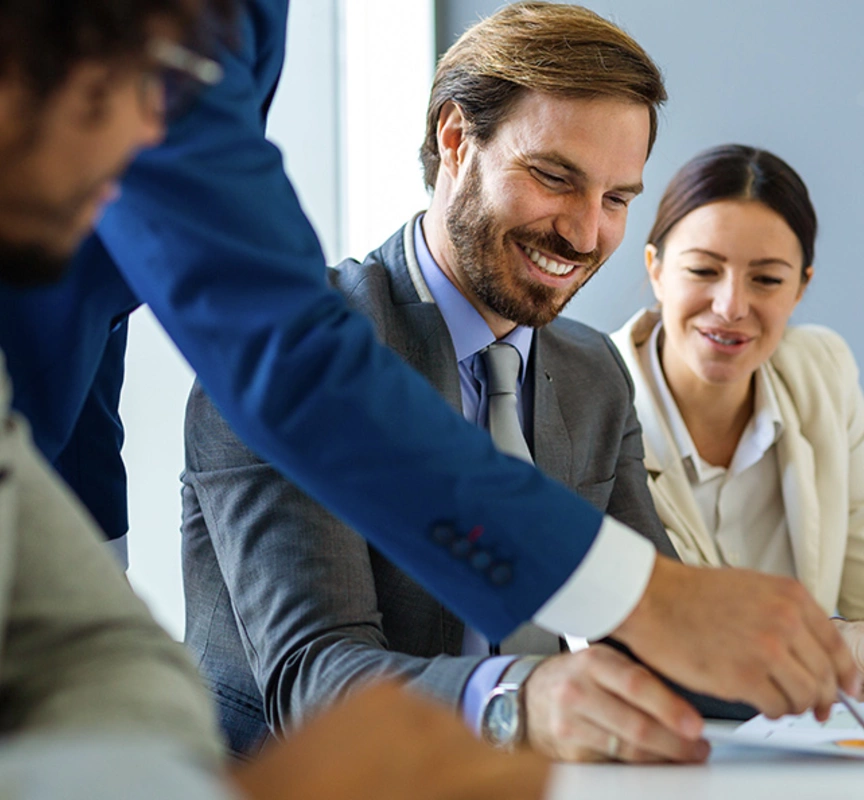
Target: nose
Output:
[(580, 223), (730, 302)]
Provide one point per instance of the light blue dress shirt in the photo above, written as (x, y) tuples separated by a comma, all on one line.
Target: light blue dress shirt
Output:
[(471, 335)]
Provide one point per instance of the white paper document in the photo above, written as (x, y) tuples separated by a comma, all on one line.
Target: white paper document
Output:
[(840, 735)]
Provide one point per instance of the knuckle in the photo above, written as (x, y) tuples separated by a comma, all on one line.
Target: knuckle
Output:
[(638, 731), (561, 728), (593, 657), (635, 681), (571, 693), (770, 648)]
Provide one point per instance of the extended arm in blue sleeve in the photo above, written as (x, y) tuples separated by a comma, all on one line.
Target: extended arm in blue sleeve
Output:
[(210, 234)]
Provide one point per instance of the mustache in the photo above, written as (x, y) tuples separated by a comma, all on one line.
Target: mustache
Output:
[(557, 246)]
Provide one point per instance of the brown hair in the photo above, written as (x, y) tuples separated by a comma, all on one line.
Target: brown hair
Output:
[(545, 47), (738, 172)]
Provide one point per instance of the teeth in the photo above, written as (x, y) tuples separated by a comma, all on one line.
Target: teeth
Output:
[(547, 264), (720, 340)]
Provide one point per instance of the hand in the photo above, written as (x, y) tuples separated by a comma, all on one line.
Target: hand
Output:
[(387, 744), (741, 636), (852, 632), (598, 704)]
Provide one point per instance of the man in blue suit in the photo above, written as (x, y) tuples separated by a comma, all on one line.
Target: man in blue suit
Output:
[(210, 234)]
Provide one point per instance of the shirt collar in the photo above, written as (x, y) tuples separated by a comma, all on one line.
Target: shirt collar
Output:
[(761, 433), (683, 440), (468, 330)]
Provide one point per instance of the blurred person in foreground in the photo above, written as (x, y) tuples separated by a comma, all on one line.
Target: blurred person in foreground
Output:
[(96, 701)]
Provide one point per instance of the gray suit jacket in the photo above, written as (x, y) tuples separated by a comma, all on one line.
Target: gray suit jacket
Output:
[(270, 573)]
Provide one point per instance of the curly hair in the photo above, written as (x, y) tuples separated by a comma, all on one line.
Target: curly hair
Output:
[(42, 39)]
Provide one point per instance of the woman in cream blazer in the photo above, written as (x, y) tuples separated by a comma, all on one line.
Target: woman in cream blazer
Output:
[(753, 430)]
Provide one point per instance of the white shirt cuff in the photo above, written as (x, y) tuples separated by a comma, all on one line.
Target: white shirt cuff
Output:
[(605, 587)]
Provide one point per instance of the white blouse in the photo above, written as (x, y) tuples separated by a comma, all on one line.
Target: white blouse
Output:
[(742, 505)]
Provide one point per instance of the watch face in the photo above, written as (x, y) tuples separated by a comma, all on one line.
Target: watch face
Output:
[(501, 719)]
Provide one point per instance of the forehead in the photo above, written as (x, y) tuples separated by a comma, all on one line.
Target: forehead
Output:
[(733, 227), (606, 136)]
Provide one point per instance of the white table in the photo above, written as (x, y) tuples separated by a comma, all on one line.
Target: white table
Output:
[(732, 773)]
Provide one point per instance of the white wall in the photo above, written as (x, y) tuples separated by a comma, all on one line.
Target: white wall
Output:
[(349, 118)]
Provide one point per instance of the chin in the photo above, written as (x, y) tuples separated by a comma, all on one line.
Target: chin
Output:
[(719, 375)]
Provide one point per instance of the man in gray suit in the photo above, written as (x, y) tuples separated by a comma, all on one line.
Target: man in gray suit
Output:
[(286, 603)]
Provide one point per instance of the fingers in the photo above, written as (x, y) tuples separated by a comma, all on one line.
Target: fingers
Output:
[(810, 657), (803, 678), (740, 635), (827, 635), (636, 686), (652, 722), (853, 634), (598, 704)]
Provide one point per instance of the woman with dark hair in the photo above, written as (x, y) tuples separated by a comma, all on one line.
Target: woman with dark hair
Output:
[(753, 429)]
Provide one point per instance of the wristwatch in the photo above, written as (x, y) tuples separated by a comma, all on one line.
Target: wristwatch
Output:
[(502, 720)]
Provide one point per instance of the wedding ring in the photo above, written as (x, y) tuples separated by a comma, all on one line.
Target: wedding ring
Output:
[(613, 745)]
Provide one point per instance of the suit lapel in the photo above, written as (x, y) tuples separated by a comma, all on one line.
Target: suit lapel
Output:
[(670, 486), (416, 329), (797, 469)]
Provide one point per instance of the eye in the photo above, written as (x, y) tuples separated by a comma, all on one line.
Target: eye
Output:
[(617, 201), (702, 272), (768, 280), (549, 179)]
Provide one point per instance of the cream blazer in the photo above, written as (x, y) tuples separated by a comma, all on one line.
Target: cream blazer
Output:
[(820, 452)]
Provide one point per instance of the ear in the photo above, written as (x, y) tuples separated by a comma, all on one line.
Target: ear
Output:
[(806, 277), (452, 137), (654, 266)]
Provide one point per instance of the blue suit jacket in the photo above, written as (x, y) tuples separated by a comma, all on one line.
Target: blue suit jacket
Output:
[(210, 234)]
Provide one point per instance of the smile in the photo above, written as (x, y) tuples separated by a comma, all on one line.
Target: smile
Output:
[(724, 338), (546, 263)]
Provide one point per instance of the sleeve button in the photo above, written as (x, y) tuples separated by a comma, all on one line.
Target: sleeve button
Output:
[(461, 547), (442, 534), (500, 573), (481, 560)]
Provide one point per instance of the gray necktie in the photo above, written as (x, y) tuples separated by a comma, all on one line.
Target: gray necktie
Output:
[(503, 364)]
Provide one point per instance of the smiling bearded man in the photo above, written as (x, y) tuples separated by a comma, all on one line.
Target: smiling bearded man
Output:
[(523, 212)]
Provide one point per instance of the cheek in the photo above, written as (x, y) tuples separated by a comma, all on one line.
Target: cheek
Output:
[(680, 302), (775, 318), (612, 234)]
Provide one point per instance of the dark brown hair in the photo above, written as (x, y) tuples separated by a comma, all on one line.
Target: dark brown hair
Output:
[(738, 172), (545, 47), (42, 39)]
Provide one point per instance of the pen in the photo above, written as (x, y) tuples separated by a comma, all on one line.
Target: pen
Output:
[(851, 705)]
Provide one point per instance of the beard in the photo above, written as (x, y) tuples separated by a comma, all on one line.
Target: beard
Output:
[(29, 265), (482, 255)]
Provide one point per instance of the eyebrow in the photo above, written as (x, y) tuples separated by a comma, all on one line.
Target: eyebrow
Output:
[(577, 171), (757, 262)]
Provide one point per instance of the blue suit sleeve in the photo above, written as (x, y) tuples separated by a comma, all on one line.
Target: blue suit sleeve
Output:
[(210, 234)]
